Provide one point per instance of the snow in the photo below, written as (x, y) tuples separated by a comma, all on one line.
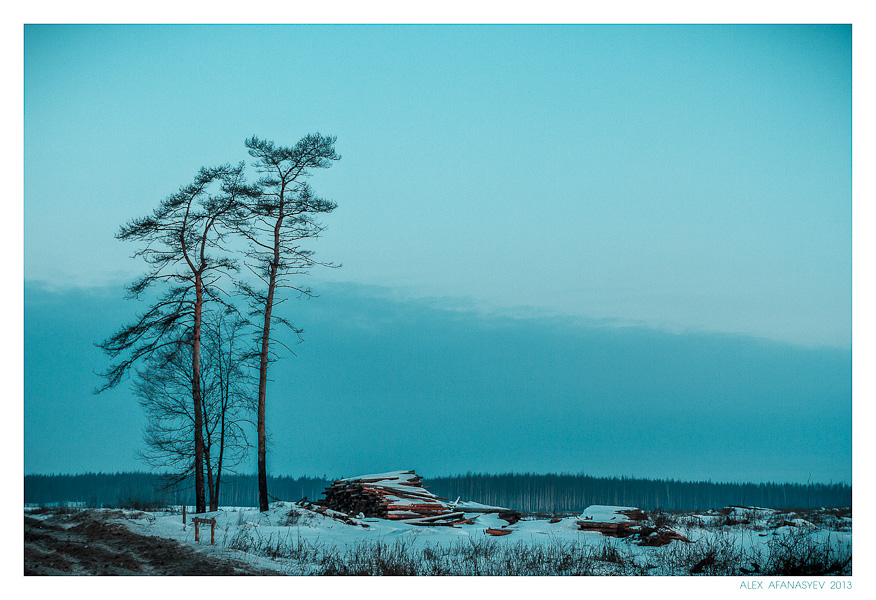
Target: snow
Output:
[(606, 514), (313, 528), (400, 475), (475, 506), (298, 538)]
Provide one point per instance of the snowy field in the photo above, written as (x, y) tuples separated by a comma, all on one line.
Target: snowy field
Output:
[(301, 539)]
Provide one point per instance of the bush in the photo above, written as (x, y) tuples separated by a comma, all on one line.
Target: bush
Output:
[(799, 552), (662, 520)]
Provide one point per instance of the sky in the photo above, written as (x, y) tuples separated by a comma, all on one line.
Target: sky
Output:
[(545, 231)]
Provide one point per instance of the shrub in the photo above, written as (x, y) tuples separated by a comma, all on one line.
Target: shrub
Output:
[(799, 552)]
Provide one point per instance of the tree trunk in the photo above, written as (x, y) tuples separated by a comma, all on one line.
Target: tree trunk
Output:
[(224, 385), (200, 501), (224, 393), (263, 363), (209, 469), (208, 444), (263, 380), (214, 499)]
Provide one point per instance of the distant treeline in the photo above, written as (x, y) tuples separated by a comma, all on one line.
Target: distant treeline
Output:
[(524, 492), (569, 493), (115, 489)]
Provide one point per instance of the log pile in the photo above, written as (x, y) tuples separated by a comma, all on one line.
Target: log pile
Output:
[(395, 495), (622, 522)]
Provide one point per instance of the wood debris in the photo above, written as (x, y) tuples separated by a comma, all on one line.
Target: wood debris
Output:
[(633, 514), (512, 516), (622, 522), (325, 511), (659, 537)]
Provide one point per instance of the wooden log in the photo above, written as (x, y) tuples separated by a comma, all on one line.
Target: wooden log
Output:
[(434, 518), (482, 510), (497, 531)]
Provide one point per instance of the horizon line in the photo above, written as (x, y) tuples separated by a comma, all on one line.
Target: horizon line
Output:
[(481, 474)]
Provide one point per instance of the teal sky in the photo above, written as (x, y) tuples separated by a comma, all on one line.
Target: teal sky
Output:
[(689, 178), (582, 225)]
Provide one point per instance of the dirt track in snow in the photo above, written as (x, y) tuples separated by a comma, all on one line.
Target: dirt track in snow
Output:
[(81, 544)]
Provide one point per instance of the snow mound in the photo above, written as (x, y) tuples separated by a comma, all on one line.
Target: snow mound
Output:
[(609, 514)]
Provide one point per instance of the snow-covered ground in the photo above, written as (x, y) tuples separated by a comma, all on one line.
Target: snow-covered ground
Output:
[(295, 539)]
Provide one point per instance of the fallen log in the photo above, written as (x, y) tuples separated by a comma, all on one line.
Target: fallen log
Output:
[(497, 532)]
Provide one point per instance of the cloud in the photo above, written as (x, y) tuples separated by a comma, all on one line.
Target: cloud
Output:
[(383, 383)]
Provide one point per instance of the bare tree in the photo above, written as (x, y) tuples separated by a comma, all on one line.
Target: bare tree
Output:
[(280, 218), (164, 391), (230, 386), (178, 238)]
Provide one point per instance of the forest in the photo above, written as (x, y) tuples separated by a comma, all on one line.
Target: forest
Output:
[(532, 493)]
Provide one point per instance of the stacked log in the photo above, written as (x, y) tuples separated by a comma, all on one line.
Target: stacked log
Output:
[(395, 495)]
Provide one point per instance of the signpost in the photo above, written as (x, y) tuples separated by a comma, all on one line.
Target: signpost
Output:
[(198, 521)]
